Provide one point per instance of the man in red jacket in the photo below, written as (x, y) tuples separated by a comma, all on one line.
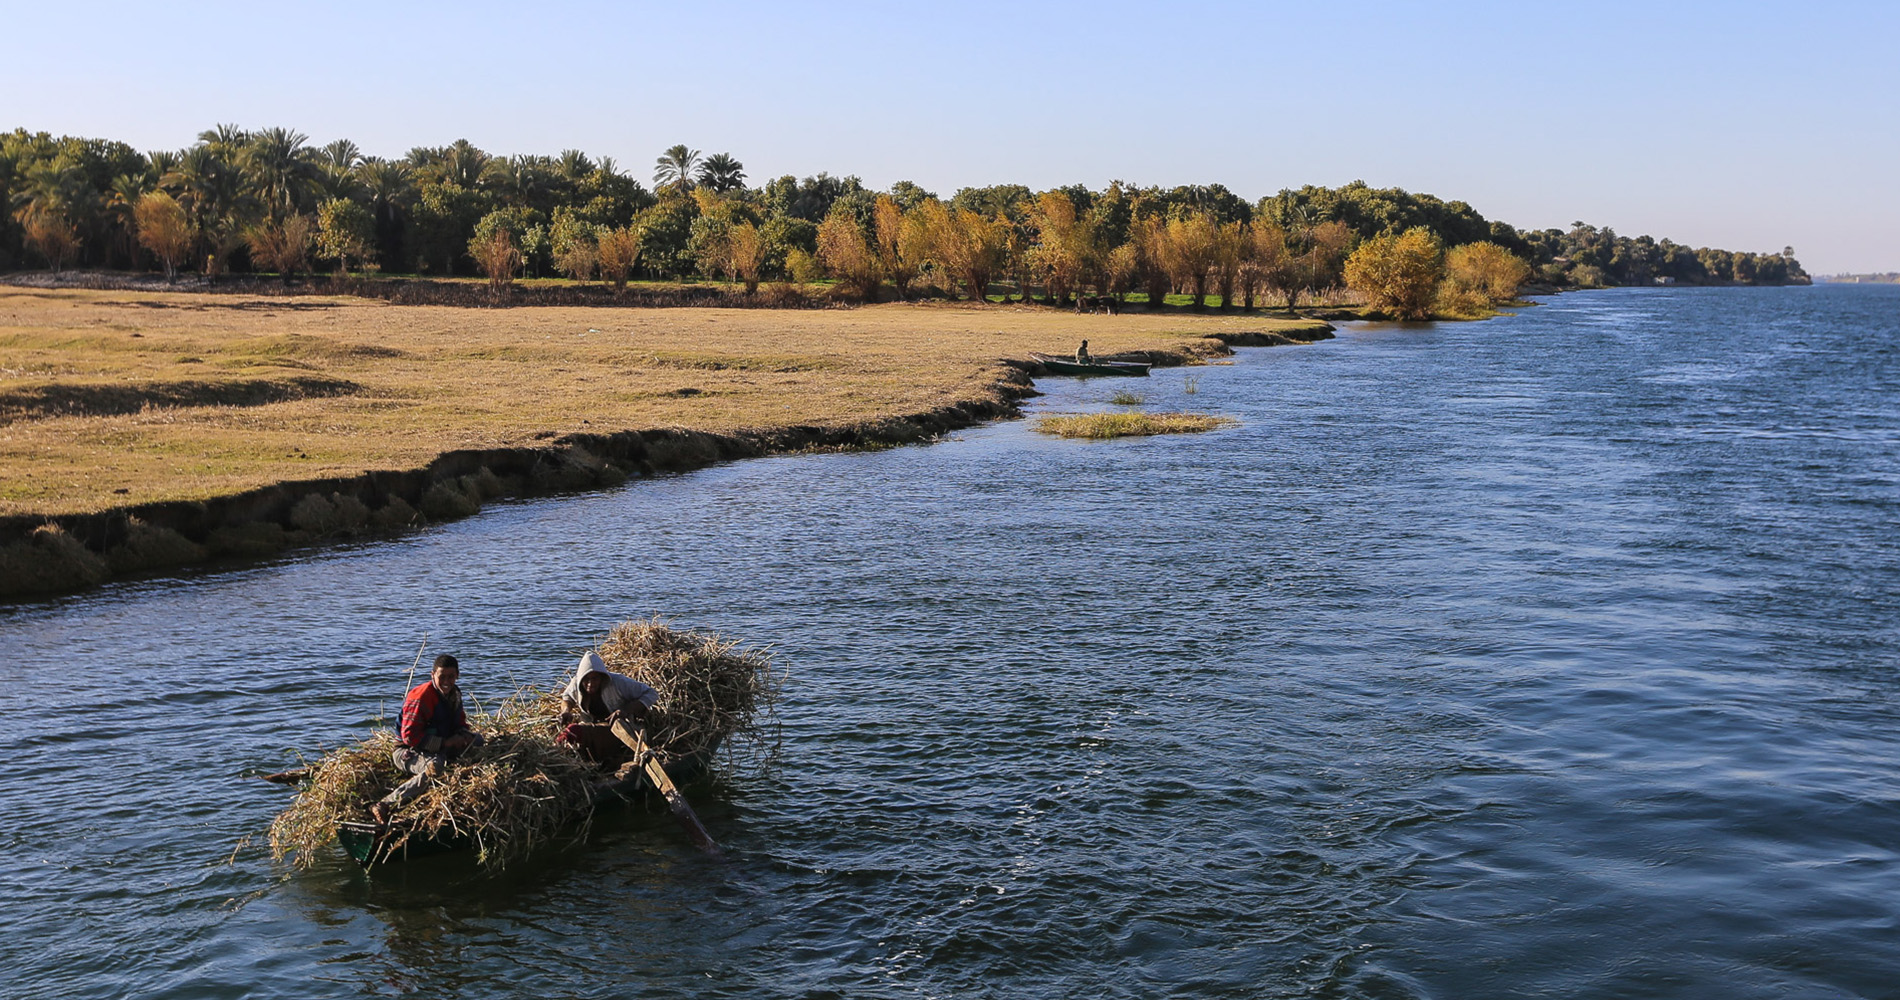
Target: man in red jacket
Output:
[(434, 731)]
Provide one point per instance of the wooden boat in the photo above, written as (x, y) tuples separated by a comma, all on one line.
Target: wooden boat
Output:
[(369, 845), (1069, 366)]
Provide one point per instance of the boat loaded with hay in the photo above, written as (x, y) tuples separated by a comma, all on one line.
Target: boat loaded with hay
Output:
[(521, 789)]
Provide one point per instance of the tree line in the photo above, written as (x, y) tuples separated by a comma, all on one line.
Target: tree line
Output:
[(268, 201)]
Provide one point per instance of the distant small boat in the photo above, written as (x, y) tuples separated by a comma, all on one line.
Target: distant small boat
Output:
[(1069, 366)]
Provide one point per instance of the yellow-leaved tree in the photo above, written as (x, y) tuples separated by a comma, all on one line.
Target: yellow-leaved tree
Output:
[(1398, 274), (1486, 269), (966, 245), (848, 255), (1064, 245), (163, 229), (619, 250), (903, 243)]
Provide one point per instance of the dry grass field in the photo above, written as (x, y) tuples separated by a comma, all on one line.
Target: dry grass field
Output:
[(115, 398)]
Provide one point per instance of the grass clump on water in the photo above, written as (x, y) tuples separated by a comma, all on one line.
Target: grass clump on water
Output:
[(1114, 425), (520, 789), (1123, 397)]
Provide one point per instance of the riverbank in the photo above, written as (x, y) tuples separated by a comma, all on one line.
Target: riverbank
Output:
[(141, 431)]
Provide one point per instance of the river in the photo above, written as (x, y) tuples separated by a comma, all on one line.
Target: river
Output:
[(1555, 655)]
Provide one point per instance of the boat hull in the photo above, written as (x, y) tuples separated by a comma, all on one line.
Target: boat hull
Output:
[(1059, 366)]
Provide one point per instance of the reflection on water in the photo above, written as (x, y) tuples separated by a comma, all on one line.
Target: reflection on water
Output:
[(1554, 654)]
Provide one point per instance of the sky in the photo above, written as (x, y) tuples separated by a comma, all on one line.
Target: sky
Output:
[(1741, 125)]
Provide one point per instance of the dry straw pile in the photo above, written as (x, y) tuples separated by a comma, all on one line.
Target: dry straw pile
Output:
[(520, 789), (712, 691)]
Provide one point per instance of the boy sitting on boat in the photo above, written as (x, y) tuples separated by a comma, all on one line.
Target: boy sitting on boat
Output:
[(434, 731), (593, 701)]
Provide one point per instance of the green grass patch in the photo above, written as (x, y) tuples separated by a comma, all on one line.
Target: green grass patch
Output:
[(1123, 397), (1113, 425)]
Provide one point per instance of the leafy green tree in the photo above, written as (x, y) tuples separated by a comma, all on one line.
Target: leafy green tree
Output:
[(574, 245), (810, 199), (666, 228), (909, 196), (346, 231), (442, 220), (784, 234)]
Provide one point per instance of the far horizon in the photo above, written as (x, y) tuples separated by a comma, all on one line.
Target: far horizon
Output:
[(1729, 126)]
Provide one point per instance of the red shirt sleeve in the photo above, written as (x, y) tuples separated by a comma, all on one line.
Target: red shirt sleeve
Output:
[(416, 710)]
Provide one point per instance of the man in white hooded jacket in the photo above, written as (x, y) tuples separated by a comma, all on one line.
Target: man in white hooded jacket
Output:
[(593, 701)]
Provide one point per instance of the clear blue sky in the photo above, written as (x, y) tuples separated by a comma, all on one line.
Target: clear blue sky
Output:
[(1743, 125)]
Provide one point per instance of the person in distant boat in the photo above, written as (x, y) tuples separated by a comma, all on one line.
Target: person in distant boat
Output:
[(434, 731), (593, 701), (1082, 354)]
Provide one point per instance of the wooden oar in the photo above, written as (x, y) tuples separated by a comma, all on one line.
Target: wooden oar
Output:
[(689, 821)]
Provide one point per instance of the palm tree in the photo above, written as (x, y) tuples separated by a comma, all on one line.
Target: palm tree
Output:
[(229, 136), (282, 170), (54, 198), (340, 155), (336, 165), (208, 187), (388, 188), (462, 164), (122, 202), (163, 161), (722, 173), (517, 180), (675, 167), (573, 165)]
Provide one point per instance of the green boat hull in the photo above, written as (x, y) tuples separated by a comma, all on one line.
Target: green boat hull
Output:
[(1060, 366)]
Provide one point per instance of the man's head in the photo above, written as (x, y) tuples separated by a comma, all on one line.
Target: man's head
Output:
[(444, 674), (592, 682)]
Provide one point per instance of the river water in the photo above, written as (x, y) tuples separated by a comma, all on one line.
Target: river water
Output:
[(1548, 656)]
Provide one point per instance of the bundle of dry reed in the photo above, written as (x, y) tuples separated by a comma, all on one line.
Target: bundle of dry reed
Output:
[(516, 791), (520, 789), (713, 693)]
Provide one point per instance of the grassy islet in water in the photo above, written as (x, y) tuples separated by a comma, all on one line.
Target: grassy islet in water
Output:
[(1114, 425)]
